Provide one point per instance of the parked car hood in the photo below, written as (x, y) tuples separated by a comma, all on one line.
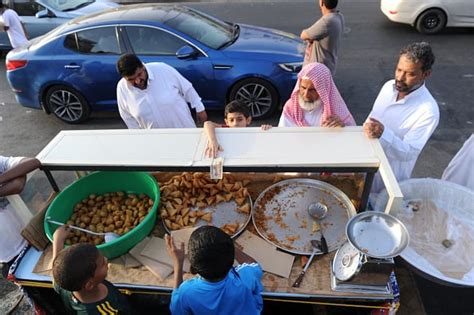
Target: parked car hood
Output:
[(268, 41)]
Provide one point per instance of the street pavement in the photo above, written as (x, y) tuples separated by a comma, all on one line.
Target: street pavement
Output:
[(368, 55)]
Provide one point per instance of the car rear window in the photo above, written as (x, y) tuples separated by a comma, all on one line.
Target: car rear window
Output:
[(94, 41)]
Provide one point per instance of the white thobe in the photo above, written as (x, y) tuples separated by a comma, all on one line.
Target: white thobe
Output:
[(11, 224), (461, 168), (312, 118), (408, 124), (15, 31), (163, 104)]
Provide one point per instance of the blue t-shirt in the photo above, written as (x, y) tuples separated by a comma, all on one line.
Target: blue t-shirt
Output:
[(238, 293)]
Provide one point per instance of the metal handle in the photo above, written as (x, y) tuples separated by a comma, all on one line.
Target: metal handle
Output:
[(74, 227), (299, 279), (324, 244), (72, 67)]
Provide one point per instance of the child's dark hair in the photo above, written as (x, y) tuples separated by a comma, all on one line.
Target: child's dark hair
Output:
[(237, 107), (74, 266), (211, 252)]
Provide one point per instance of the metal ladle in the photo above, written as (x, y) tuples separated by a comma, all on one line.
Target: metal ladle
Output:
[(318, 211), (108, 236), (298, 280)]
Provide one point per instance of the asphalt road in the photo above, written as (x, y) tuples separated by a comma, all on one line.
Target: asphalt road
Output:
[(367, 59)]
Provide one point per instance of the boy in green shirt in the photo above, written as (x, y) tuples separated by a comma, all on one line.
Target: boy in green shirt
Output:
[(79, 273)]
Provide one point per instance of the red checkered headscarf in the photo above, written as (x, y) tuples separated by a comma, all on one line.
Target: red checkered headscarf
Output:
[(331, 100)]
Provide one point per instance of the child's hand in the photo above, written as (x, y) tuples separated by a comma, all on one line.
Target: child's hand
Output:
[(61, 234), (59, 237), (177, 254), (212, 149), (266, 127)]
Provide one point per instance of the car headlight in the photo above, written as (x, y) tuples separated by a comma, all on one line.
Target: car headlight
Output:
[(292, 66)]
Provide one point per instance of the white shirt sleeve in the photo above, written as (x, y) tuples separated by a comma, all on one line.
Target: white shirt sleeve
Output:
[(7, 163), (194, 99), (6, 18), (282, 121), (127, 118), (285, 121), (461, 168), (189, 93), (412, 143)]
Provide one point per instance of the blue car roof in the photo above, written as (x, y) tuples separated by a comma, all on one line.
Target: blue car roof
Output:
[(161, 13)]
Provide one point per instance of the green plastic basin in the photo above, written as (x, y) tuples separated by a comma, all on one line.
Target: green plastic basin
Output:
[(99, 183)]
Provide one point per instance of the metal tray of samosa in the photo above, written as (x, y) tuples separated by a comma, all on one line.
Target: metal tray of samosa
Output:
[(223, 213)]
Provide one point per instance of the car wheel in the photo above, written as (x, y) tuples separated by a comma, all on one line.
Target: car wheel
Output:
[(259, 95), (67, 104), (431, 21)]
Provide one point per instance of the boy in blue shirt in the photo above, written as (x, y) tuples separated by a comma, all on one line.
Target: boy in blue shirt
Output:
[(219, 287)]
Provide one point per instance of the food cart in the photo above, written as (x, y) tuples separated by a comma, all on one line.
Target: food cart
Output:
[(279, 153)]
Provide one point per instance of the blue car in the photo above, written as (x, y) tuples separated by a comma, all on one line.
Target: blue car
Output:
[(71, 71)]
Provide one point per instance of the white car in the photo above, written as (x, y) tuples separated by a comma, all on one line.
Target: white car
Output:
[(430, 16)]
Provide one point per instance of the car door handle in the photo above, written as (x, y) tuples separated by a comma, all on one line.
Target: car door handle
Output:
[(72, 66)]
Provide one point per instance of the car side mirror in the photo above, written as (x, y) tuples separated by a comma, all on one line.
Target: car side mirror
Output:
[(44, 14), (186, 52)]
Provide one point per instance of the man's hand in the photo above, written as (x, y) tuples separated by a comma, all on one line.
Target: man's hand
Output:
[(373, 128), (213, 149), (304, 36), (201, 116), (333, 121), (266, 127)]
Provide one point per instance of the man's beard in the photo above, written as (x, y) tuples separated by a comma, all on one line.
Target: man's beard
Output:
[(402, 87), (308, 105)]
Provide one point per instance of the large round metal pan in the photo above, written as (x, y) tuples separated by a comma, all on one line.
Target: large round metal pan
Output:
[(456, 202), (280, 215), (377, 234), (224, 213)]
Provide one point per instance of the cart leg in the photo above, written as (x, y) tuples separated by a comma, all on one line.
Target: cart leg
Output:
[(369, 178), (51, 180)]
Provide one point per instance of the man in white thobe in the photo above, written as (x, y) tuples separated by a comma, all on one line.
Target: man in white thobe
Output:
[(404, 115), (155, 95), (13, 26), (461, 168), (13, 172)]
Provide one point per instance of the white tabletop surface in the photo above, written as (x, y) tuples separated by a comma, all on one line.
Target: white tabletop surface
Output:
[(318, 147)]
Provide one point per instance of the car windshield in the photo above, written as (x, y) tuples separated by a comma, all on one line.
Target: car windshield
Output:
[(66, 5), (210, 31)]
